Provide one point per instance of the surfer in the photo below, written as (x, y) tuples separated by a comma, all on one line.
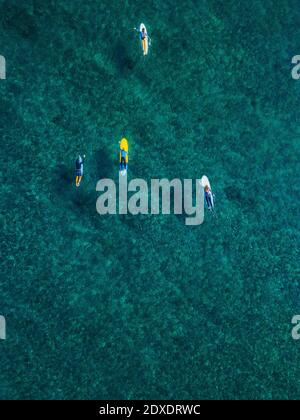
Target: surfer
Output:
[(123, 159), (123, 164), (144, 38), (143, 34), (209, 198), (79, 169)]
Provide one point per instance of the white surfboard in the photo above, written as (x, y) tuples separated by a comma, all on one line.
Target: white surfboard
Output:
[(205, 182), (145, 42)]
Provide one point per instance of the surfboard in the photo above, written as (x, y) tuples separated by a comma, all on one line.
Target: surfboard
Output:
[(205, 182), (145, 41)]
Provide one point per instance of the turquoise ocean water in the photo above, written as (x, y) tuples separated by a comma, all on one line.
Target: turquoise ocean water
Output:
[(143, 306)]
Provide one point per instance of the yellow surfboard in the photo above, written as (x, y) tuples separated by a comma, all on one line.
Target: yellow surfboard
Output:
[(145, 41), (124, 146)]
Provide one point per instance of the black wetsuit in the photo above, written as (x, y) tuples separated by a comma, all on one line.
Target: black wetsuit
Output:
[(79, 166)]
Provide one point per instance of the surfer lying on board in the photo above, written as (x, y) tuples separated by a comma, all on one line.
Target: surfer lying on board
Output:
[(79, 170), (123, 164), (143, 34), (209, 198)]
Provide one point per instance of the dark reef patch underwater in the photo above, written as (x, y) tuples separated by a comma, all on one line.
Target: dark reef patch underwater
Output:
[(145, 307)]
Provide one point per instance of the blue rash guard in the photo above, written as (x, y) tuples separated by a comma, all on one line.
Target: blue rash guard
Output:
[(208, 199), (79, 166), (123, 164), (142, 35)]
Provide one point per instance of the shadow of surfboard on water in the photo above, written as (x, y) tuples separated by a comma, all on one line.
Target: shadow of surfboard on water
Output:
[(64, 179), (78, 200), (106, 166), (124, 62)]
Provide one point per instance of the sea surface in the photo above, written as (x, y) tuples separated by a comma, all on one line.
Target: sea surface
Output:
[(145, 307)]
